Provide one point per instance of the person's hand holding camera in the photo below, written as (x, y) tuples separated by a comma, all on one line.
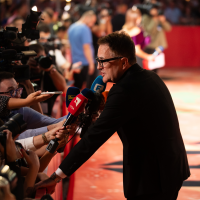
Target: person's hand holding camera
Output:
[(162, 18), (10, 147), (31, 159), (5, 193)]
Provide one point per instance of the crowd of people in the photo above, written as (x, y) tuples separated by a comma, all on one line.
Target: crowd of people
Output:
[(66, 49)]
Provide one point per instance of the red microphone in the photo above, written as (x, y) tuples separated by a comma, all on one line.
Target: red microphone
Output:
[(76, 106)]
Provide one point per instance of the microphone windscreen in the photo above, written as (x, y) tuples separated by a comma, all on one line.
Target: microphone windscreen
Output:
[(77, 105), (98, 85), (87, 93), (71, 93)]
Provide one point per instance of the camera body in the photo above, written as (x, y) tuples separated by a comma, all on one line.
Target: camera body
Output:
[(146, 7), (15, 124), (44, 61)]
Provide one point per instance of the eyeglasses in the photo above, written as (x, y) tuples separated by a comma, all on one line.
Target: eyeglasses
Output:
[(106, 60), (13, 93)]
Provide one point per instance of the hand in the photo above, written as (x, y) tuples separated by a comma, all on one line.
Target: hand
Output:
[(50, 135), (31, 159), (151, 57), (36, 97), (162, 18), (5, 188), (42, 176), (76, 65), (49, 184), (10, 147), (91, 69)]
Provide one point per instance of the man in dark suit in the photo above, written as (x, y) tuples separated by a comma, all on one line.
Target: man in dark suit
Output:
[(140, 108)]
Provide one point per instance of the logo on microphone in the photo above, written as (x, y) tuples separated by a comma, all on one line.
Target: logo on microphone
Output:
[(70, 97), (77, 101), (98, 88)]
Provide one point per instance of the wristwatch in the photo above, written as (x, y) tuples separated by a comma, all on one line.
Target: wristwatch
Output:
[(55, 177)]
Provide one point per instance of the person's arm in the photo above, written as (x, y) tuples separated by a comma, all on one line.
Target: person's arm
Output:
[(89, 56), (33, 98), (29, 89), (34, 164), (165, 24), (57, 78), (140, 53), (113, 117)]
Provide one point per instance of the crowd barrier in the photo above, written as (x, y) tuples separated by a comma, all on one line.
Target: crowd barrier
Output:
[(183, 47)]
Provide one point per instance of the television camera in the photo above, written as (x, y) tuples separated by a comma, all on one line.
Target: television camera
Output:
[(11, 48)]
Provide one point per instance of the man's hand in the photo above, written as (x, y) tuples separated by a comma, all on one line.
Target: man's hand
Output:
[(36, 97), (49, 184)]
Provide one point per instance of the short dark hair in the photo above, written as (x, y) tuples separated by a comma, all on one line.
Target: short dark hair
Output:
[(36, 47), (6, 75), (42, 27), (121, 44)]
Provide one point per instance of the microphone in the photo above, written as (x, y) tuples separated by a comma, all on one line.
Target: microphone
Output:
[(98, 85), (75, 107), (158, 50), (71, 93)]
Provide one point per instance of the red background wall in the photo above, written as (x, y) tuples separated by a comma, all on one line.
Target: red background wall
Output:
[(183, 47)]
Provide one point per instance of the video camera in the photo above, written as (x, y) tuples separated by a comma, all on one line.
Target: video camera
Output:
[(147, 6), (11, 49)]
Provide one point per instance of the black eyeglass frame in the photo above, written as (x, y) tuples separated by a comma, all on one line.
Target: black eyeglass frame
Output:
[(107, 60)]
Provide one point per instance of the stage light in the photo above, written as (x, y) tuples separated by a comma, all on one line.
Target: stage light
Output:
[(34, 8), (67, 7), (68, 1)]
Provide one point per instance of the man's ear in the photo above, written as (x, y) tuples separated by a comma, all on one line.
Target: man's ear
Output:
[(125, 63)]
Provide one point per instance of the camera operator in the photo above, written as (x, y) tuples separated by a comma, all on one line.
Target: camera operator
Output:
[(47, 79), (155, 24)]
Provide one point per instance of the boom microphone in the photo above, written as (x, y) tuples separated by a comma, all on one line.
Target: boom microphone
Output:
[(76, 106)]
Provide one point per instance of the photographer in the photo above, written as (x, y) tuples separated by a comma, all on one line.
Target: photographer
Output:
[(155, 24), (47, 79), (12, 162)]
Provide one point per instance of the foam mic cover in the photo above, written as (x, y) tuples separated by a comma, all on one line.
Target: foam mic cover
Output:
[(88, 94), (98, 85), (71, 93), (158, 50)]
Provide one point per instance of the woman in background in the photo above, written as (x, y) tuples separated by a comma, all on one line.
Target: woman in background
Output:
[(132, 28)]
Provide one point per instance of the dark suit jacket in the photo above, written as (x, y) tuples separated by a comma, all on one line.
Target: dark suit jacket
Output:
[(140, 108)]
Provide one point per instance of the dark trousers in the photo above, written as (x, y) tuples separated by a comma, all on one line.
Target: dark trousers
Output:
[(83, 77), (170, 195)]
